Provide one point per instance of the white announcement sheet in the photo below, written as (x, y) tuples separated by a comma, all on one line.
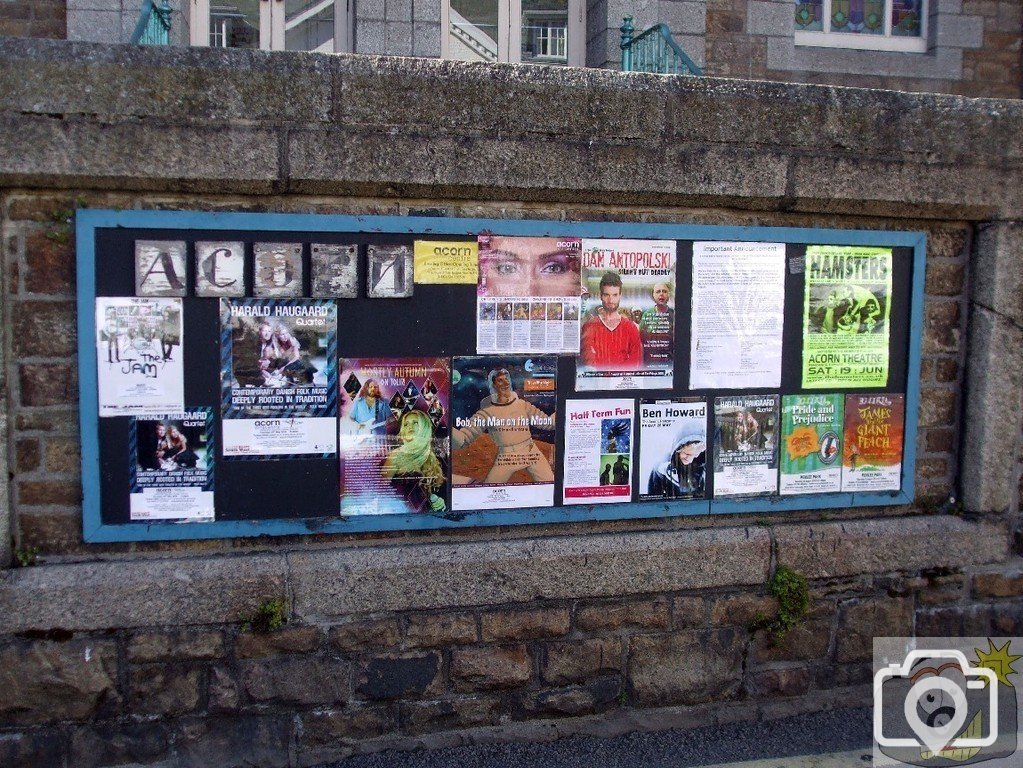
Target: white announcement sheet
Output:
[(738, 307)]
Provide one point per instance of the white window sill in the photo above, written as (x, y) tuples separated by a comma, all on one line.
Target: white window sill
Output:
[(861, 42)]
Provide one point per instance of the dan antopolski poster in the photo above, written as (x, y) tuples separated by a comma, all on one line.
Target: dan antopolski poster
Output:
[(502, 436), (393, 447), (138, 356), (171, 466), (673, 449), (874, 431), (279, 377), (627, 339), (745, 445), (845, 316), (738, 309), (811, 444), (598, 451)]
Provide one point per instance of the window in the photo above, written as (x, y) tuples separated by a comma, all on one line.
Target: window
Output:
[(540, 31), (881, 25), (291, 25)]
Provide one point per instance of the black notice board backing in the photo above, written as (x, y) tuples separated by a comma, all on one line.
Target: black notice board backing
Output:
[(437, 321)]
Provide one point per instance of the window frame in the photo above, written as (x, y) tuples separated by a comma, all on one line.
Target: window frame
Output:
[(509, 33), (851, 40), (271, 25)]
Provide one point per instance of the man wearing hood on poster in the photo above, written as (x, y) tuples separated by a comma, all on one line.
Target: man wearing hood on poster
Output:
[(683, 473)]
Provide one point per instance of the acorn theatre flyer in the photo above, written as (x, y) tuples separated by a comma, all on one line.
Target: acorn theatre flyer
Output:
[(846, 314)]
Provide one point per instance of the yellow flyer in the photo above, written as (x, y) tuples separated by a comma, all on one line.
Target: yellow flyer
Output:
[(442, 262)]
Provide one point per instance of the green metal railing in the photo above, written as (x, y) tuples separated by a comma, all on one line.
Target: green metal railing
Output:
[(654, 50), (154, 24)]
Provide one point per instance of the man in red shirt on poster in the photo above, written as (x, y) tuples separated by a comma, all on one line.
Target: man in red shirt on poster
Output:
[(610, 341)]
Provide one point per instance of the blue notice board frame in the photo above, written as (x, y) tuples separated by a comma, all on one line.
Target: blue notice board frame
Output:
[(88, 221)]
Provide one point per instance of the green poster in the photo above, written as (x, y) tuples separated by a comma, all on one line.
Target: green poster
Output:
[(811, 444), (845, 316)]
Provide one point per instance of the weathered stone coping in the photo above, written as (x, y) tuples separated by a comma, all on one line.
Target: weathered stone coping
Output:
[(209, 120), (321, 585)]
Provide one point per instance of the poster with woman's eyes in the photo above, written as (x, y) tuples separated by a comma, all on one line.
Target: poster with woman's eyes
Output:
[(171, 466), (394, 432), (528, 294), (279, 377)]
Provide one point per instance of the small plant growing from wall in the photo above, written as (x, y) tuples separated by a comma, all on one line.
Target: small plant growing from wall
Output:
[(793, 594), (269, 617), (26, 557)]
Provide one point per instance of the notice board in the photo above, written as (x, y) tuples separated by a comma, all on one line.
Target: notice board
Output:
[(251, 460)]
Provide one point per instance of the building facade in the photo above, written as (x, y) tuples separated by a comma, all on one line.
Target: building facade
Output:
[(967, 47)]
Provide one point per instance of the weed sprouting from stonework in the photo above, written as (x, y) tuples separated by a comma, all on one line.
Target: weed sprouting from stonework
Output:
[(269, 617), (26, 557), (793, 594)]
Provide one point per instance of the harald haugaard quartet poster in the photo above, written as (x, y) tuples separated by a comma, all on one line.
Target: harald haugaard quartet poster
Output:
[(171, 466), (745, 445), (440, 435), (279, 377)]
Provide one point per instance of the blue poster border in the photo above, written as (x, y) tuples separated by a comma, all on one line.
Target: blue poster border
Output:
[(88, 221)]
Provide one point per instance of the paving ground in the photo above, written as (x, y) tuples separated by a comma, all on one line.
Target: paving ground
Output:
[(837, 739)]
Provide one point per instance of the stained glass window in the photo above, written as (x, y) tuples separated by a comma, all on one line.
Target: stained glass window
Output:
[(906, 15), (865, 17), (881, 25), (810, 15)]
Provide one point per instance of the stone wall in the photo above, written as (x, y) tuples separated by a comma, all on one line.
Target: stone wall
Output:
[(33, 18), (140, 653)]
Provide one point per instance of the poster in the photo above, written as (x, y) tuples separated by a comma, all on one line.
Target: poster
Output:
[(845, 316), (171, 466), (442, 262), (627, 340), (393, 444), (502, 438), (872, 455), (738, 310), (811, 444), (279, 377), (139, 356), (745, 445), (673, 449), (598, 451), (527, 297)]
